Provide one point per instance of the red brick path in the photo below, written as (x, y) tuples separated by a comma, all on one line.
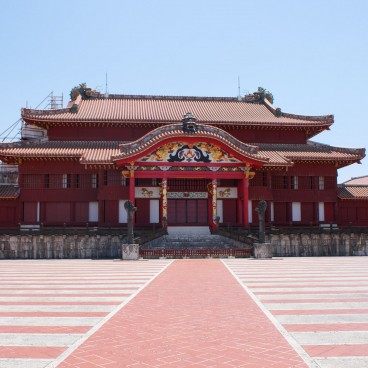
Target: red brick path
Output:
[(194, 314)]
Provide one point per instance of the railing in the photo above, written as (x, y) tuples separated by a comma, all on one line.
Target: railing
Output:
[(196, 253), (8, 174), (245, 234)]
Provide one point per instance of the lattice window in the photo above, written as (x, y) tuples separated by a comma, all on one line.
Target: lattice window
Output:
[(146, 182), (306, 182), (55, 181), (295, 182), (195, 185), (94, 181), (321, 182), (32, 181), (259, 180), (114, 178), (330, 182), (279, 182), (86, 181), (66, 181)]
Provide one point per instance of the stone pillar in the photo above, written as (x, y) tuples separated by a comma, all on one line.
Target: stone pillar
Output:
[(262, 249), (129, 250), (131, 184), (164, 202)]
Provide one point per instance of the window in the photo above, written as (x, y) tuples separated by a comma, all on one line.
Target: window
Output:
[(94, 181), (279, 182), (306, 182), (294, 182), (32, 181), (113, 178), (66, 181), (76, 181), (259, 180), (321, 182), (330, 182)]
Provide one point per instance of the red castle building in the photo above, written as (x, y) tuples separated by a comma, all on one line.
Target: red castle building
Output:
[(180, 160)]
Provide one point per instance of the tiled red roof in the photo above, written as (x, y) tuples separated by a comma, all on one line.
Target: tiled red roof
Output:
[(9, 192), (88, 152), (283, 154), (101, 152), (163, 109), (353, 191), (361, 180), (175, 132)]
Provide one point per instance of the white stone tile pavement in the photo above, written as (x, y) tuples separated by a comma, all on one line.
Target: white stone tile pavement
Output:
[(323, 319), (318, 305), (328, 281), (49, 321), (35, 339), (24, 363), (286, 297), (331, 338), (343, 362), (57, 308)]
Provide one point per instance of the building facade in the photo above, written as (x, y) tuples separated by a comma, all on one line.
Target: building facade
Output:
[(180, 160)]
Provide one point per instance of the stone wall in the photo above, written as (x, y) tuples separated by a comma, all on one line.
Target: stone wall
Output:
[(109, 246), (60, 246), (324, 244)]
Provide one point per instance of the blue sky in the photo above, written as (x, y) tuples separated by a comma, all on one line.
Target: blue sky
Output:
[(311, 54)]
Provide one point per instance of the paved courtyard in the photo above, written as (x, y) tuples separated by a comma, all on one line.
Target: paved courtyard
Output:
[(289, 312)]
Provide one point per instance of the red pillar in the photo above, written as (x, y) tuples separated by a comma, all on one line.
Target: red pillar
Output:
[(245, 202)]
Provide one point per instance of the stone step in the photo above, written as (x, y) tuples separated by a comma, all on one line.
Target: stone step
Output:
[(193, 241)]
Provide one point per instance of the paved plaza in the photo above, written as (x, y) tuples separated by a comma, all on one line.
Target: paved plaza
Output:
[(279, 313)]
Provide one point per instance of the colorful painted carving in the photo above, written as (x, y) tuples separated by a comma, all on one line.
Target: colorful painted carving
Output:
[(225, 193), (146, 192), (198, 152)]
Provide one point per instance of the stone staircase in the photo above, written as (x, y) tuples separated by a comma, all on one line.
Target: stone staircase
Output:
[(192, 237)]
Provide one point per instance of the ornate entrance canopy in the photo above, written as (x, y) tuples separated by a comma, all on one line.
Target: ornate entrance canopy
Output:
[(202, 148)]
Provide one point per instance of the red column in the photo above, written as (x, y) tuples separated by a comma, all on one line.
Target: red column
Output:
[(245, 202)]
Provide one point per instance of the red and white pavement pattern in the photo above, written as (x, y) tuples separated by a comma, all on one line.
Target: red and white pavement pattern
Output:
[(322, 303), (46, 306), (279, 313)]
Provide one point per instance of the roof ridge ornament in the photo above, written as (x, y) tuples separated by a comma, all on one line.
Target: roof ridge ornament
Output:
[(189, 123)]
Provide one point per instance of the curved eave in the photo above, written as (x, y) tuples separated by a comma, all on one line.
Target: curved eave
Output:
[(311, 128), (174, 133), (137, 154)]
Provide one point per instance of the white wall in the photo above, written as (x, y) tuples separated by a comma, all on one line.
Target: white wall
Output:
[(123, 216), (154, 211), (321, 211), (250, 212), (93, 212), (220, 210), (296, 211)]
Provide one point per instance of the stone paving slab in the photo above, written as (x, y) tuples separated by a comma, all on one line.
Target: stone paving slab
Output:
[(322, 309), (46, 306), (194, 314), (285, 313)]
